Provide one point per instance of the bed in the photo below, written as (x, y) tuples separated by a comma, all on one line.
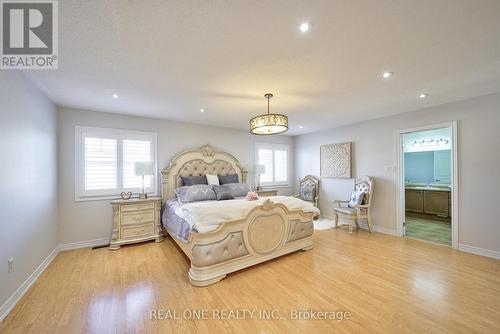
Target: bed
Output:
[(248, 233)]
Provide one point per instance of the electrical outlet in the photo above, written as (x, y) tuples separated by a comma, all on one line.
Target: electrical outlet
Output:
[(10, 264)]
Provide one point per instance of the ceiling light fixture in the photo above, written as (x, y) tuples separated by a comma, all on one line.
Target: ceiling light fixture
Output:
[(115, 96), (430, 143), (387, 74), (423, 96), (202, 110), (301, 127), (268, 124), (304, 27)]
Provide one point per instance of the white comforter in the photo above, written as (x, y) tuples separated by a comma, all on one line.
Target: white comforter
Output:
[(206, 216)]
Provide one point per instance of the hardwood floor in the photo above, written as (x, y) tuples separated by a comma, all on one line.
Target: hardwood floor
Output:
[(387, 284), (429, 230)]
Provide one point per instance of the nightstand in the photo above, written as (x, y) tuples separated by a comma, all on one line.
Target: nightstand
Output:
[(136, 220), (266, 193)]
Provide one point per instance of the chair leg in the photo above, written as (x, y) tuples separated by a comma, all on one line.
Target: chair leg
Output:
[(350, 226), (356, 222), (336, 219), (369, 221)]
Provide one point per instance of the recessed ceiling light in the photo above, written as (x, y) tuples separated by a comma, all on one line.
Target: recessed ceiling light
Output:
[(115, 96), (387, 74), (423, 96), (202, 110), (304, 27), (301, 127)]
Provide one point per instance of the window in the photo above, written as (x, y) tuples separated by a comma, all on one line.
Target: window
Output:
[(105, 160), (275, 158)]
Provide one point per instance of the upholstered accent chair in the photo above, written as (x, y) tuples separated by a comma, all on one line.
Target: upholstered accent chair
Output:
[(309, 189), (354, 212)]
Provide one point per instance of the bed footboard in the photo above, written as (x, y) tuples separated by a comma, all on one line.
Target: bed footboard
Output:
[(267, 232)]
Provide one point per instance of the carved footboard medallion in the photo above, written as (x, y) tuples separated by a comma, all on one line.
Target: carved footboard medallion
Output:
[(299, 230), (266, 233)]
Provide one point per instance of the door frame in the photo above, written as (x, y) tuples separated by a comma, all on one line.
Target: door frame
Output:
[(400, 194)]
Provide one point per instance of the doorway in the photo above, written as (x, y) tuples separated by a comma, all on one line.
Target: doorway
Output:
[(428, 184)]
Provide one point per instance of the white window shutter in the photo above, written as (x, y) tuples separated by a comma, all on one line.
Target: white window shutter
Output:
[(265, 157), (100, 163), (135, 151), (275, 158), (281, 166), (105, 161)]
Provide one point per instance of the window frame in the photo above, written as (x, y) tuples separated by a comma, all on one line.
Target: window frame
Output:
[(112, 133), (273, 147)]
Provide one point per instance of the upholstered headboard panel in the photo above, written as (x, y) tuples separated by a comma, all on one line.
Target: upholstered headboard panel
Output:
[(200, 161), (200, 167)]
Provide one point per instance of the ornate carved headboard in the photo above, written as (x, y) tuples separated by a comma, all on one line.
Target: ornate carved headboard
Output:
[(199, 161)]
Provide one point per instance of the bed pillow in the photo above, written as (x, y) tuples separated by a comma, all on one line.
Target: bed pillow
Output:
[(223, 193), (238, 189), (212, 180), (192, 180), (225, 179), (356, 198), (195, 193)]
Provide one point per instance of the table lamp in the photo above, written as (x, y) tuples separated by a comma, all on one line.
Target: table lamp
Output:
[(259, 169), (143, 168)]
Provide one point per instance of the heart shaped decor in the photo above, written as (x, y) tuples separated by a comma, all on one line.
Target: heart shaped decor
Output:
[(125, 195)]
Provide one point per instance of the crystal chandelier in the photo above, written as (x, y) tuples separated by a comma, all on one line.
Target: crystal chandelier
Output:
[(268, 124)]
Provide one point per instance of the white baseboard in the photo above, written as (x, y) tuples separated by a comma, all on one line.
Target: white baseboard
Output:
[(84, 244), (479, 251), (378, 229), (384, 230), (19, 293)]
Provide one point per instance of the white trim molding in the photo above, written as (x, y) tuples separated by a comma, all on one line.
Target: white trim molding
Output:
[(19, 293), (25, 286), (400, 210), (479, 251), (378, 229), (119, 136), (84, 244), (364, 226)]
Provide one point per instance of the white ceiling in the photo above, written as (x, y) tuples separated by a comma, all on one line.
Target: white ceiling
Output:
[(168, 59)]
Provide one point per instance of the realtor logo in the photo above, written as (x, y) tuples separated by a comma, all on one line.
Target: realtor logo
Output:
[(29, 34)]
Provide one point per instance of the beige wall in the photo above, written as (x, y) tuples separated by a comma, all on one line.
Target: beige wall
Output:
[(82, 221), (28, 180), (374, 154)]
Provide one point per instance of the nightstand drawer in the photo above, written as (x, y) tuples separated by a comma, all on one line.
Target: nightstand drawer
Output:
[(136, 220), (137, 207), (138, 217), (137, 231)]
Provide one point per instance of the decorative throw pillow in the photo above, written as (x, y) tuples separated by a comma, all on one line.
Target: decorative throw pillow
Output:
[(238, 189), (192, 180), (356, 198), (212, 180), (223, 193), (225, 179), (307, 193), (195, 193)]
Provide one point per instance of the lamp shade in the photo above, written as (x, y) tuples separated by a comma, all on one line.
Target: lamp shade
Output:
[(143, 168), (268, 124), (260, 169)]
